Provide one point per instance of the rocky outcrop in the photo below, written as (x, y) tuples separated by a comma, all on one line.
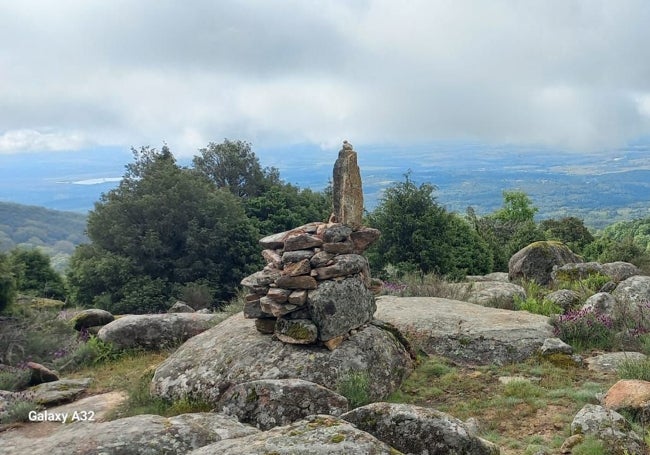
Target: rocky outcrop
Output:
[(142, 434), (315, 435), (564, 298), (537, 260), (418, 430), (91, 317), (463, 331), (234, 352), (602, 302), (633, 291), (609, 427), (154, 331), (269, 403), (619, 271)]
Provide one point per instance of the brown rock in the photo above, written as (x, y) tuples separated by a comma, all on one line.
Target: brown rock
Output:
[(628, 394), (347, 189), (364, 237), (321, 259), (253, 297), (301, 242), (40, 374), (298, 297), (275, 308), (344, 265), (297, 282), (296, 256), (339, 248), (334, 343), (278, 294), (260, 279), (272, 258), (297, 268)]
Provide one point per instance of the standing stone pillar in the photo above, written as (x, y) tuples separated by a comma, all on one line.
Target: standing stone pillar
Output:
[(347, 191)]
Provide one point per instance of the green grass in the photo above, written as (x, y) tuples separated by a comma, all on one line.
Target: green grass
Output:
[(355, 386), (635, 369)]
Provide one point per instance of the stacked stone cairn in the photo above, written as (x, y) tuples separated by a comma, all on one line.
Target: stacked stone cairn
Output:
[(316, 285)]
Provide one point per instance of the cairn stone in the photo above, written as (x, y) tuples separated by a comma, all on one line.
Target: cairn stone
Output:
[(316, 283), (347, 190)]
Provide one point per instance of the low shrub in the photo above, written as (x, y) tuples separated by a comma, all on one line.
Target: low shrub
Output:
[(17, 408), (14, 381), (355, 386), (585, 329), (544, 307)]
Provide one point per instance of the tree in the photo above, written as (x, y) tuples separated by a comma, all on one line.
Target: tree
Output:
[(517, 208), (570, 231), (419, 234), (509, 228), (7, 283), (233, 165), (34, 274), (161, 229), (284, 206)]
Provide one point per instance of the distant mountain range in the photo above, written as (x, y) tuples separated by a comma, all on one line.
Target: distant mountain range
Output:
[(600, 188)]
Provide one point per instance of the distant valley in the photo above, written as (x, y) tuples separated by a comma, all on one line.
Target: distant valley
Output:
[(600, 188)]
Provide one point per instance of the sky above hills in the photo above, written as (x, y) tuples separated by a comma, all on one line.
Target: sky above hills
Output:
[(84, 74)]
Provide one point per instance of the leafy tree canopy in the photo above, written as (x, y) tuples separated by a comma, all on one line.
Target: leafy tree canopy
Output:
[(7, 283), (161, 229), (419, 234), (569, 230), (34, 274)]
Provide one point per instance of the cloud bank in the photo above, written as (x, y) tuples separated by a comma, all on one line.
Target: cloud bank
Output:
[(561, 73)]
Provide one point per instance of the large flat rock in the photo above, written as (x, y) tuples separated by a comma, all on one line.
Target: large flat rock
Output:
[(463, 331), (234, 352)]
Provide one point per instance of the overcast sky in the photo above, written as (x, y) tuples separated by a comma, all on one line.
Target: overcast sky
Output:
[(81, 74)]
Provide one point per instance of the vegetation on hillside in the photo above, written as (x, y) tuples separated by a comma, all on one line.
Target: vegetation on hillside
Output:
[(53, 232), (169, 232)]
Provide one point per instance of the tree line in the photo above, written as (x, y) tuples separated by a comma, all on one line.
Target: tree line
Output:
[(173, 232)]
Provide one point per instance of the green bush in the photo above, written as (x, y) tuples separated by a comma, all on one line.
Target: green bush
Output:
[(14, 381), (544, 307), (585, 329)]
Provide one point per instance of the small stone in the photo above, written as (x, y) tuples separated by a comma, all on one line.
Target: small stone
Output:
[(297, 268), (298, 297), (278, 294), (555, 346), (274, 241), (570, 442), (336, 233), (272, 258), (253, 310), (296, 331), (301, 242), (297, 282), (321, 259), (260, 279), (40, 374), (296, 256), (253, 297), (275, 308), (339, 248), (180, 307), (266, 326), (363, 238), (344, 265), (334, 343)]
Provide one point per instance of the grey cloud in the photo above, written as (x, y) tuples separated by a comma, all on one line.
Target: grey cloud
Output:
[(569, 73)]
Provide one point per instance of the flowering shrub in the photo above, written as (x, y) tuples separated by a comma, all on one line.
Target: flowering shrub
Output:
[(585, 329)]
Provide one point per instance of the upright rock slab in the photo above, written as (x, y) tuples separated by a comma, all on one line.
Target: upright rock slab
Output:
[(347, 190)]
